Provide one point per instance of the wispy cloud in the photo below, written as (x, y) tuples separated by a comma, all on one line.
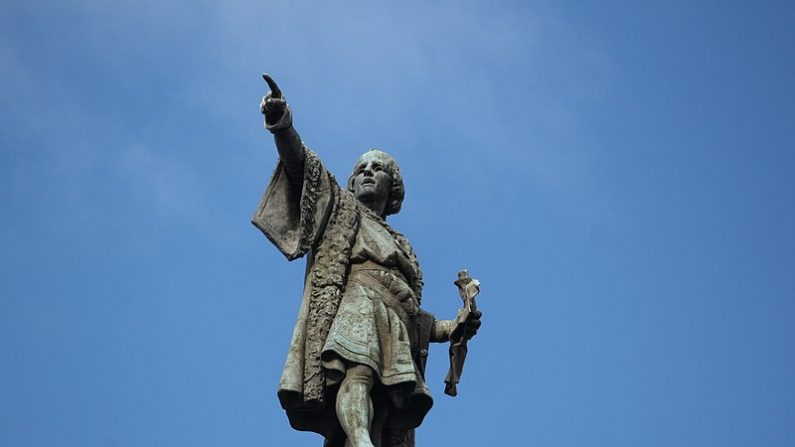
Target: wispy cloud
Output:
[(160, 182)]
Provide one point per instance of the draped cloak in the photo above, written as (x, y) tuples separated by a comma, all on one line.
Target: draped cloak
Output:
[(324, 224)]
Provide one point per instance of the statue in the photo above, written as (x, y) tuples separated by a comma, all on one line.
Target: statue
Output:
[(355, 368)]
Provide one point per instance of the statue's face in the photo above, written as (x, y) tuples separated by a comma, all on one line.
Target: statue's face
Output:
[(371, 181)]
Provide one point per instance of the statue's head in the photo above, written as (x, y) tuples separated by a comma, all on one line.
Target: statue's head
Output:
[(376, 180)]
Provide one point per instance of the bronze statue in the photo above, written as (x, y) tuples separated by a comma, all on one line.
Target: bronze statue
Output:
[(356, 364)]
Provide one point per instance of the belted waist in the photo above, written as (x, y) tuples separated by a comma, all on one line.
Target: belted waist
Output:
[(389, 283), (370, 265)]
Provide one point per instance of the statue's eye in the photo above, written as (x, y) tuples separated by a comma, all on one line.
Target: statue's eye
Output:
[(378, 168)]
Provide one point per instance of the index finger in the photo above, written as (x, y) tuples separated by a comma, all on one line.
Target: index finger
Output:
[(275, 91)]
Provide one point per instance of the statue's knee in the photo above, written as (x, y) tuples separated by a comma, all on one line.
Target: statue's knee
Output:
[(359, 374)]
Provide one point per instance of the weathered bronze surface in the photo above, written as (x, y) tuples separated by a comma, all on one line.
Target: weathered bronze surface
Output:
[(356, 364)]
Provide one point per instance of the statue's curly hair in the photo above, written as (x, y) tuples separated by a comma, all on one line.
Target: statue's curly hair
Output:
[(396, 191)]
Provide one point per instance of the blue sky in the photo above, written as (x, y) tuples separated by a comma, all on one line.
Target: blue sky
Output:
[(618, 175)]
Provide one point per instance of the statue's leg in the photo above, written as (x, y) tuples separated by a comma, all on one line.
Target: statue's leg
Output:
[(355, 406)]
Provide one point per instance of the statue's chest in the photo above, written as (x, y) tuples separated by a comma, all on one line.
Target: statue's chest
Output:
[(375, 243)]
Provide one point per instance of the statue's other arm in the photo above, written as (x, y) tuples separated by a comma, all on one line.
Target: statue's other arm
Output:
[(279, 121), (441, 330)]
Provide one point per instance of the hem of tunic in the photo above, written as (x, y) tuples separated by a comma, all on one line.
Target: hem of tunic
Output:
[(336, 349)]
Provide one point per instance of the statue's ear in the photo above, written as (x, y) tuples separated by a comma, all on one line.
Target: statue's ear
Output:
[(396, 192), (393, 205)]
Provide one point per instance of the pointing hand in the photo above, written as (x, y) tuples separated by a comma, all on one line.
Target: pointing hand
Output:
[(273, 104)]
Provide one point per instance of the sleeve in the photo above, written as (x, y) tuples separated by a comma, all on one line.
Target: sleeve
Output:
[(295, 226), (442, 330)]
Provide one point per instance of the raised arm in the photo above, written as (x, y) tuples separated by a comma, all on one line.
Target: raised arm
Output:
[(279, 121)]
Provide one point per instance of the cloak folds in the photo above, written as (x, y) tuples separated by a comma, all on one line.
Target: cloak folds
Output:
[(323, 224)]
